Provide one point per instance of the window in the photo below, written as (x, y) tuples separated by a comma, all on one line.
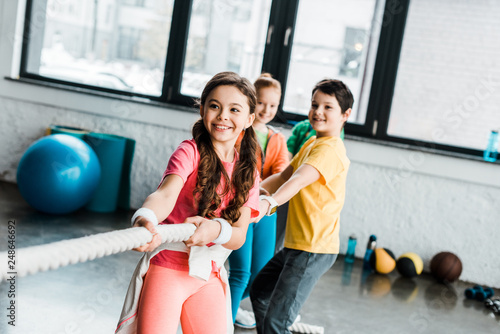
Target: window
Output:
[(335, 46), (224, 35), (447, 84), (165, 51), (107, 44)]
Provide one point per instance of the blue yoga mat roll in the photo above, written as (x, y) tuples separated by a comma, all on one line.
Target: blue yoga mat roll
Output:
[(110, 150), (124, 193)]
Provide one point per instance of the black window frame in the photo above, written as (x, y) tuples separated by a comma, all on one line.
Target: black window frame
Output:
[(276, 58)]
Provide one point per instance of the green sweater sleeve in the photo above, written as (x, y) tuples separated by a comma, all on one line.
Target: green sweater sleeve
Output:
[(300, 133)]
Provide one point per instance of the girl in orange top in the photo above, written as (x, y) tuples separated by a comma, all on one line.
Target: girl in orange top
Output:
[(272, 157)]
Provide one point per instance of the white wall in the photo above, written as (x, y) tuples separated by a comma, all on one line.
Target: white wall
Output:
[(413, 201)]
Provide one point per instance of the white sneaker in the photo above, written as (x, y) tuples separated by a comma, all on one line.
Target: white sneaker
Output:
[(299, 327), (245, 319)]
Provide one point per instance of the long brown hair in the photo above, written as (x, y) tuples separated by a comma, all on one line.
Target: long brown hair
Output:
[(211, 169)]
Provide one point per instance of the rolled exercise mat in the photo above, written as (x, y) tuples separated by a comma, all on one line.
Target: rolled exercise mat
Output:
[(124, 192), (67, 130), (110, 150)]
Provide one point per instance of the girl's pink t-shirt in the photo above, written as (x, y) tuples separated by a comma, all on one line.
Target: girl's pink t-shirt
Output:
[(184, 163)]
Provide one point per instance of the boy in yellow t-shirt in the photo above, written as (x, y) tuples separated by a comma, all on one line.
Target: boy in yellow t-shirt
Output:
[(314, 183)]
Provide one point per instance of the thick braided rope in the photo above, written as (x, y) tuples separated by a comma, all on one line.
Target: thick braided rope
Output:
[(31, 260), (299, 327)]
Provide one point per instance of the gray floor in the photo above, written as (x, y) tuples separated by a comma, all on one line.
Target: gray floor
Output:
[(87, 297)]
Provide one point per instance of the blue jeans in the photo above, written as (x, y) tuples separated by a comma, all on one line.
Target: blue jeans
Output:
[(246, 262), (283, 285)]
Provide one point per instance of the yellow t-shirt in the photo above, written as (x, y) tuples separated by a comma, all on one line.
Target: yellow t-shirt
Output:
[(314, 212)]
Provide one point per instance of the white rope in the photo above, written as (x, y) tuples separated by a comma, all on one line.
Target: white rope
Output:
[(299, 327), (31, 260)]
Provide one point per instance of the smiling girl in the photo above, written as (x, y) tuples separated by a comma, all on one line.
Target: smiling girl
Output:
[(209, 184)]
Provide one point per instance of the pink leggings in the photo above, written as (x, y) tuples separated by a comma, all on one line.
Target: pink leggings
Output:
[(169, 295)]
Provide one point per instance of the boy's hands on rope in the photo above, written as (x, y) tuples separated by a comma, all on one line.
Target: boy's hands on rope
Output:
[(263, 205), (155, 242), (206, 231)]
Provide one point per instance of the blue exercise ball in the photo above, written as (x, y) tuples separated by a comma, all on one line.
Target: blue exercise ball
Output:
[(58, 174)]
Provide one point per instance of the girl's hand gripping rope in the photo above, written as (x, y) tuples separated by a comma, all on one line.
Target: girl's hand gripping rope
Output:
[(206, 231), (155, 242)]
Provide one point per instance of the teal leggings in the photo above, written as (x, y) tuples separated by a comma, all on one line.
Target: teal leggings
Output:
[(246, 262)]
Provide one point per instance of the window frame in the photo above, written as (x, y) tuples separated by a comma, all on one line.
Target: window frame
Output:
[(176, 53), (276, 59)]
